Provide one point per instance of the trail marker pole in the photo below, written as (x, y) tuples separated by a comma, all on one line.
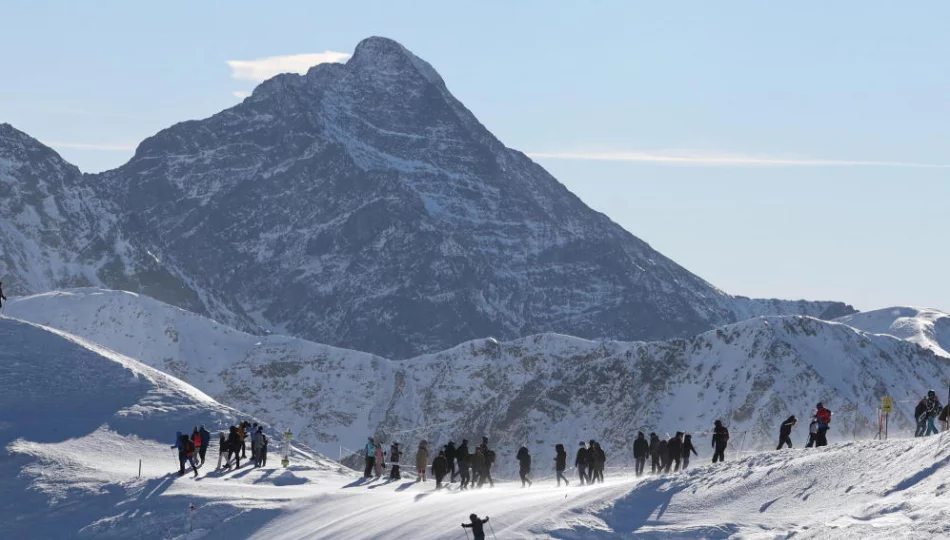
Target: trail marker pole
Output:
[(887, 406), (140, 468), (285, 448)]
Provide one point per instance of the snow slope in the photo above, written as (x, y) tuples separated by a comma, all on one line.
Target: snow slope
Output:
[(540, 390), (927, 327), (74, 421)]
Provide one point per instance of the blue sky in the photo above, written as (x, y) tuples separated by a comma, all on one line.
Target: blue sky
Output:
[(771, 148)]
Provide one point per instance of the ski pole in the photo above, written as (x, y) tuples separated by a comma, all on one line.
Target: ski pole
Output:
[(465, 531), (492, 529)]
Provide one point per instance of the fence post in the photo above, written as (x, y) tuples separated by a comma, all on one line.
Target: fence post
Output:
[(140, 468)]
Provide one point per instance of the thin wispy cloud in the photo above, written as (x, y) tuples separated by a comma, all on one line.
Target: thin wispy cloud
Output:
[(686, 157), (240, 94), (261, 69), (109, 147)]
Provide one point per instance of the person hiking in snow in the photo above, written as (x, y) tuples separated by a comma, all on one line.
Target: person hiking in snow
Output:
[(394, 456), (380, 460), (641, 449), (785, 432), (460, 452), (560, 463), (234, 448), (485, 473), (422, 460), (675, 450), (812, 433), (477, 526), (440, 466), (450, 457), (464, 466), (2, 298), (205, 442), (654, 453), (720, 440), (264, 442), (369, 455), (920, 415), (257, 445), (933, 410), (478, 467), (687, 448), (186, 453), (598, 460), (196, 440), (581, 460), (662, 450), (524, 465), (242, 434), (222, 448), (823, 416)]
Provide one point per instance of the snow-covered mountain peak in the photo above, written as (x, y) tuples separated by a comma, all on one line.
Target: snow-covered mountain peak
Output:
[(929, 328), (378, 55)]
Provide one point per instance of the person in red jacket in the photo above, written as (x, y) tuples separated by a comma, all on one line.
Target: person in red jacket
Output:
[(823, 417)]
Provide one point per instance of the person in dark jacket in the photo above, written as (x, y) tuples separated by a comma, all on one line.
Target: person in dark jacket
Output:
[(812, 433), (465, 466), (785, 432), (186, 453), (560, 464), (477, 526), (663, 450), (369, 456), (720, 440), (264, 442), (485, 473), (641, 449), (581, 460), (234, 448), (2, 298), (933, 410), (524, 466), (654, 453), (920, 415), (205, 442), (687, 448), (478, 466), (222, 448), (450, 458), (395, 454), (440, 467), (598, 461), (675, 450)]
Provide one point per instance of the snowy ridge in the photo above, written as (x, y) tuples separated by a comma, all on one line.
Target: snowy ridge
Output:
[(926, 327), (540, 390)]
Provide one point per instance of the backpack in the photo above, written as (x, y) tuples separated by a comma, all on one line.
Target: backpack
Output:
[(490, 456), (189, 448)]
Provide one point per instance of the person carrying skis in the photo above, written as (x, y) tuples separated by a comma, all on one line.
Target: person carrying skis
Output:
[(477, 526), (524, 465), (641, 448), (823, 416), (186, 453), (675, 449), (440, 467), (422, 460), (581, 460), (394, 456), (933, 409), (369, 454), (450, 458), (687, 448), (654, 453), (785, 432), (222, 448), (234, 448), (205, 442), (720, 440), (920, 415), (560, 463)]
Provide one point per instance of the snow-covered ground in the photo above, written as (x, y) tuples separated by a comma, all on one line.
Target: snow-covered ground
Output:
[(927, 327)]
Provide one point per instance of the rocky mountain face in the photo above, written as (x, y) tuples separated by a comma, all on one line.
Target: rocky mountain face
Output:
[(539, 390), (361, 205)]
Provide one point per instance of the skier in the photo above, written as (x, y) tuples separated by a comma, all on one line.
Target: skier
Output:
[(450, 457), (675, 450), (823, 416), (581, 460), (687, 448), (186, 453), (720, 440), (440, 466), (560, 463), (394, 456), (524, 466), (380, 462), (422, 460), (785, 432), (477, 526), (640, 450), (222, 448), (2, 298), (654, 453), (464, 464), (369, 455), (812, 433), (478, 467), (264, 443), (920, 415), (205, 442), (234, 447), (933, 409)]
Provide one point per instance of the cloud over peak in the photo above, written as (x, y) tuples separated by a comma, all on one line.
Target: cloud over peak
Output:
[(261, 69)]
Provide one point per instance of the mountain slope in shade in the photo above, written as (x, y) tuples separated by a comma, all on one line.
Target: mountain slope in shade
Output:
[(928, 328), (541, 390)]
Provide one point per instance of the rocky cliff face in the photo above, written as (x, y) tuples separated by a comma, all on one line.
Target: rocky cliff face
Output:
[(361, 205)]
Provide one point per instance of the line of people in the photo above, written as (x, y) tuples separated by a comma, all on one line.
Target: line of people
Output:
[(193, 449)]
